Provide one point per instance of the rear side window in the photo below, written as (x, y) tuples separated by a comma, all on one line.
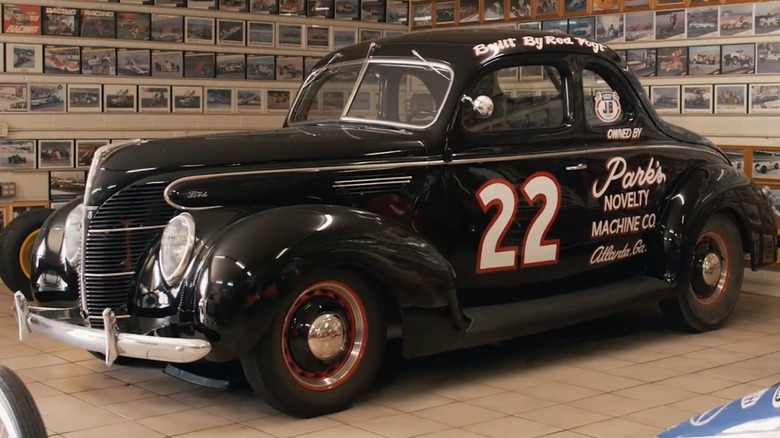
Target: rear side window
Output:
[(523, 97), (603, 103)]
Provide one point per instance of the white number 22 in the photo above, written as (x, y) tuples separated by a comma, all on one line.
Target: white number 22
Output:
[(537, 250)]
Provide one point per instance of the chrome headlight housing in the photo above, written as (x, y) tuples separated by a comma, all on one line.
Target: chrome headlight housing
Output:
[(74, 224), (178, 240)]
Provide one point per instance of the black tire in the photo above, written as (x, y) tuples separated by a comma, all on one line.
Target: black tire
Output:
[(269, 366), (19, 414), (11, 240), (699, 306)]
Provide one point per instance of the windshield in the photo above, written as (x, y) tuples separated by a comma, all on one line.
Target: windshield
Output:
[(398, 92)]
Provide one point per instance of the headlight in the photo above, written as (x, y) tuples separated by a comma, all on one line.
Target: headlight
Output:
[(73, 234), (176, 246)]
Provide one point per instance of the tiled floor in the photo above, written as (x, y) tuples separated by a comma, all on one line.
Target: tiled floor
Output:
[(628, 376)]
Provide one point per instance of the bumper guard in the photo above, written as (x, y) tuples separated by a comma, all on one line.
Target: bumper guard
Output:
[(108, 340)]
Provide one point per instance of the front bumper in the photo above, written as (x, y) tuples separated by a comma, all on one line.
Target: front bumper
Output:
[(107, 341)]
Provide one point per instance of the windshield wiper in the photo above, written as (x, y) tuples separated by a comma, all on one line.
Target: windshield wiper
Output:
[(430, 66), (371, 49), (313, 77)]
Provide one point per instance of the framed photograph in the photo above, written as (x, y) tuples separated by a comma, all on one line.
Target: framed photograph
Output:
[(290, 35), (642, 61), (154, 98), (17, 154), (133, 26), (575, 7), (672, 61), (202, 4), (766, 163), (768, 57), (421, 14), (167, 64), (640, 26), (168, 28), (17, 208), (731, 99), (704, 60), (289, 68), (171, 3), (187, 99), (610, 28), (60, 21), (343, 38), (494, 10), (62, 60), (260, 33), (348, 9), (670, 24), (697, 99), (233, 5), (85, 151), (582, 27), (55, 154), (308, 64), (292, 7), (738, 59), (21, 19), (519, 9), (764, 99), (319, 8), (374, 10), (231, 32), (633, 5), (231, 66), (49, 98), (249, 100), (199, 65), (97, 23), (264, 6), (736, 20), (13, 97), (469, 11), (23, 58), (666, 99), (766, 21), (546, 8), (98, 61), (85, 98), (133, 62), (701, 22), (260, 67), (558, 25), (369, 34), (737, 158), (318, 37), (279, 100), (67, 185), (120, 98), (219, 100), (606, 6), (199, 30)]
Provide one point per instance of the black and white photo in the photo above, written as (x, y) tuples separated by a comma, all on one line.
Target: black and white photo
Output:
[(154, 98), (133, 62), (55, 154), (231, 32), (199, 30), (343, 38), (119, 98), (665, 99), (249, 100), (610, 28), (85, 98), (260, 33), (670, 24), (17, 154), (702, 22), (764, 99), (642, 61), (187, 99), (48, 98), (697, 99), (98, 61), (219, 100), (23, 58), (13, 97), (66, 185), (768, 57)]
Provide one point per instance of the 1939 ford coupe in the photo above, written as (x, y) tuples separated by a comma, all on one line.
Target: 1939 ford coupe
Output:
[(453, 188)]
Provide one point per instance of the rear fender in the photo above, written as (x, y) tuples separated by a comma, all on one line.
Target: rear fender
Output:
[(251, 265)]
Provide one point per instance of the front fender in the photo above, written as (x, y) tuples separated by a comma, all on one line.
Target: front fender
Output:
[(252, 263), (706, 190), (53, 279)]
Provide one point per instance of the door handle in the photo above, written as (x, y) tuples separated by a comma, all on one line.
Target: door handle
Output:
[(581, 166)]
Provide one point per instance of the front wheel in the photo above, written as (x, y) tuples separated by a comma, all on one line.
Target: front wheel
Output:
[(19, 415), (16, 246), (711, 279), (323, 348)]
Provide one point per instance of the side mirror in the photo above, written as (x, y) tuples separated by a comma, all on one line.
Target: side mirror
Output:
[(482, 105)]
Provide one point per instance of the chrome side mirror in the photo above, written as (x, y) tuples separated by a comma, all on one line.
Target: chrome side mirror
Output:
[(482, 105)]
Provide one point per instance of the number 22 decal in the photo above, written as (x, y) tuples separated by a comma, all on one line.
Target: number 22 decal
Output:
[(537, 250)]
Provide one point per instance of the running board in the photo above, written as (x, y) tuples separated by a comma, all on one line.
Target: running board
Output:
[(500, 322)]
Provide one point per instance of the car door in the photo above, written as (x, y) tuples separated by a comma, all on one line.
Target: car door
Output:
[(516, 184), (630, 167)]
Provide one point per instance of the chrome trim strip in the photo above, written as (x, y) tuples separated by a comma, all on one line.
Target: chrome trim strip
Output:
[(119, 230), (368, 184), (390, 178), (456, 160), (111, 275)]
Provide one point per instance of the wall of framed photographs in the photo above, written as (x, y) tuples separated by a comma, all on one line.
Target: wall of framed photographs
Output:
[(75, 73)]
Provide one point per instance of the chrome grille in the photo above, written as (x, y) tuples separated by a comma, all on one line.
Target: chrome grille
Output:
[(120, 232)]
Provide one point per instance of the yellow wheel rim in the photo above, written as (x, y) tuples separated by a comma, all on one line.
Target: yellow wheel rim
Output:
[(25, 253)]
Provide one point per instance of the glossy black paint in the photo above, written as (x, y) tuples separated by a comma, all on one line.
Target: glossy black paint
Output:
[(47, 263), (270, 206)]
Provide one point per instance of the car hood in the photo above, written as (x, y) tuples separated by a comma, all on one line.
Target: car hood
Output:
[(285, 146)]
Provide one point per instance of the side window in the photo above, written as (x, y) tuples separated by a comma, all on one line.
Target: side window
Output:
[(524, 97), (603, 104)]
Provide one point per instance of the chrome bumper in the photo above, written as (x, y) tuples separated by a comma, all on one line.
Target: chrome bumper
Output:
[(108, 340)]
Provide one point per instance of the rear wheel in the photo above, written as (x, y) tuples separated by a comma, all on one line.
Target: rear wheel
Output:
[(323, 348), (16, 245), (711, 280)]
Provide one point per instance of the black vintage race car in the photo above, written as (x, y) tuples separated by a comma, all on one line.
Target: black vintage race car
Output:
[(472, 213)]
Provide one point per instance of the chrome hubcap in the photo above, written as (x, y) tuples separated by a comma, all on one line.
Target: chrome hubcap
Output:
[(711, 269), (326, 336)]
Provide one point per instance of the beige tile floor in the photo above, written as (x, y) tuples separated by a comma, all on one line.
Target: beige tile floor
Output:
[(628, 376)]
